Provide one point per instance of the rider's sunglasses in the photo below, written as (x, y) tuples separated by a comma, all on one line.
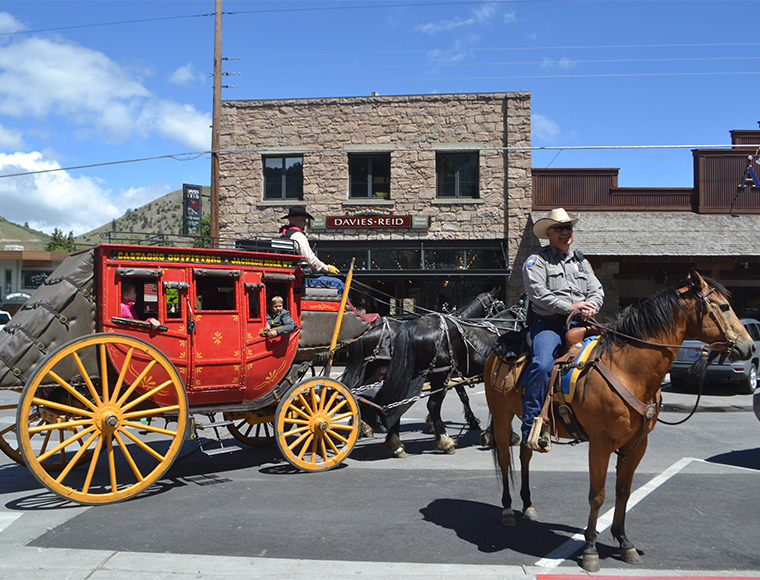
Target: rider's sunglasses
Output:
[(565, 228)]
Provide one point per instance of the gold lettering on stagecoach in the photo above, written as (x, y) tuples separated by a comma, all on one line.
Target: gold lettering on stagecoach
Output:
[(200, 259)]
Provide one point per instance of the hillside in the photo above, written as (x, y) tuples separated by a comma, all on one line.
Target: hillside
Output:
[(163, 215), (15, 235)]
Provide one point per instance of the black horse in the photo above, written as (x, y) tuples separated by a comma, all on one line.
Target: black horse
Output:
[(433, 348), (370, 356)]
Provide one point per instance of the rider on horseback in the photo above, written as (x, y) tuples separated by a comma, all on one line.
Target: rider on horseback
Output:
[(559, 283)]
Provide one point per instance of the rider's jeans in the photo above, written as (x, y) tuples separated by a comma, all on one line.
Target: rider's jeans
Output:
[(547, 339)]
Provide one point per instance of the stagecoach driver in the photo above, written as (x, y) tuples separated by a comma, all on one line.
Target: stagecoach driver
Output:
[(558, 283), (295, 229)]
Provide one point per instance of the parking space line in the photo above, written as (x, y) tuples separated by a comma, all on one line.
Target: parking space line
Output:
[(7, 518), (571, 546)]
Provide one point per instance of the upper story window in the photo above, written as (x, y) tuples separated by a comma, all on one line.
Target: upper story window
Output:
[(456, 175), (369, 176), (283, 177)]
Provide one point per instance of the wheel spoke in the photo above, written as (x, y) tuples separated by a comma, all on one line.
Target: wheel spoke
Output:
[(338, 436), (122, 374), (147, 395), (72, 391), (332, 443), (149, 428), (63, 444), (86, 377), (154, 412), (144, 446), (136, 382), (77, 456), (66, 425), (62, 407), (104, 369), (93, 463), (111, 462), (128, 457)]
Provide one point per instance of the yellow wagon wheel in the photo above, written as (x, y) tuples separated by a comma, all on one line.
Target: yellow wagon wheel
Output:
[(129, 407), (317, 424), (254, 428), (9, 438)]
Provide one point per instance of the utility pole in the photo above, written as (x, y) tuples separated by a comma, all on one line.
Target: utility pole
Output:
[(216, 111)]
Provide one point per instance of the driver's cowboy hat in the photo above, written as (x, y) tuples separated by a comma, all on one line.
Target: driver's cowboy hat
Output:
[(297, 211), (556, 216)]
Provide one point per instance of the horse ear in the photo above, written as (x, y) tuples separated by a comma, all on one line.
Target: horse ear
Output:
[(696, 279)]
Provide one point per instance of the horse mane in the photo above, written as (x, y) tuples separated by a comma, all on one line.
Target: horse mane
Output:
[(651, 316)]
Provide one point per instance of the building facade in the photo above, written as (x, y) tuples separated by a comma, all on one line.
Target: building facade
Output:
[(429, 194)]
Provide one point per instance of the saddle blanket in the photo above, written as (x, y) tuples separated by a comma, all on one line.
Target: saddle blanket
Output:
[(569, 378)]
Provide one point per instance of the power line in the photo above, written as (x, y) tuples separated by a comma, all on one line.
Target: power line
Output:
[(472, 64), (516, 77), (195, 155), (103, 24), (494, 49)]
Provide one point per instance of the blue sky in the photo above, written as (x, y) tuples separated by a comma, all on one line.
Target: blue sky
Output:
[(86, 83)]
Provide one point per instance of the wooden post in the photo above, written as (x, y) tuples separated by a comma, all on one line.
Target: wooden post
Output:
[(216, 110)]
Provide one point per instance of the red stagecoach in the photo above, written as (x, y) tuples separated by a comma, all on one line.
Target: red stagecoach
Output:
[(106, 401)]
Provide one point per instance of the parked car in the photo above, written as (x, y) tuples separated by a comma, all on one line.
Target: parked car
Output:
[(5, 318), (741, 374)]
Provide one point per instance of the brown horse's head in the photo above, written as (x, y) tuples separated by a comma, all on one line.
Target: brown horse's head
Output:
[(717, 322)]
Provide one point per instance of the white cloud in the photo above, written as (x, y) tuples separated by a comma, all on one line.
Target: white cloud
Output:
[(544, 128), (60, 200), (10, 138), (185, 75), (510, 16), (8, 23), (41, 77), (444, 25), (563, 63)]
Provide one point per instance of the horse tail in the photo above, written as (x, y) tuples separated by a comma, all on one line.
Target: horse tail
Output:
[(398, 384), (356, 366)]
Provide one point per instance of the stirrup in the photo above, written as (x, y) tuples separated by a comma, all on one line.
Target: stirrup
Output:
[(538, 438)]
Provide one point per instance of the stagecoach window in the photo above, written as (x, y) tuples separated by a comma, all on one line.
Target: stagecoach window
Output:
[(146, 296), (215, 294), (254, 301)]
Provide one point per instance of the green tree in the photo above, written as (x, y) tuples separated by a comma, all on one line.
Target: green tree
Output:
[(59, 242), (204, 241)]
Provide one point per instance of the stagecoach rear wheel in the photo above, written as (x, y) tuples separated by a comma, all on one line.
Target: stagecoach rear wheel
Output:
[(254, 428), (128, 406), (317, 424), (9, 443)]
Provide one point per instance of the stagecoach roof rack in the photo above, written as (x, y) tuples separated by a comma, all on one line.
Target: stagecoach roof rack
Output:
[(277, 245)]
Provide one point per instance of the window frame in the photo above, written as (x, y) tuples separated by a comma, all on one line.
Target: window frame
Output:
[(371, 159), (283, 185), (460, 158)]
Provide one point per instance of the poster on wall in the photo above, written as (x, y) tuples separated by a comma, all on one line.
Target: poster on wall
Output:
[(191, 210)]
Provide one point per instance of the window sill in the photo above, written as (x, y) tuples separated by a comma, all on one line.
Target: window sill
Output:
[(369, 201), (457, 201), (279, 202)]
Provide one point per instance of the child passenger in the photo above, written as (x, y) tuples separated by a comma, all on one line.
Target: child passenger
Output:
[(279, 322), (128, 299)]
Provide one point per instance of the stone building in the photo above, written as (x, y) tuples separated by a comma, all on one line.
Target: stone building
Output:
[(430, 194)]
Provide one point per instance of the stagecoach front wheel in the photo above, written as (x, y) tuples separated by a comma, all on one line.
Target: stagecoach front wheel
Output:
[(317, 424), (111, 403)]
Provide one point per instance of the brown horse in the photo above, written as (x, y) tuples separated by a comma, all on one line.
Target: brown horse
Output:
[(638, 349)]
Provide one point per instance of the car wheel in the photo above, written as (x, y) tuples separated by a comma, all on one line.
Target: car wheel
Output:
[(749, 384)]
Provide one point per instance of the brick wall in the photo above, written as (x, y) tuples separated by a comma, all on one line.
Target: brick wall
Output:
[(411, 129)]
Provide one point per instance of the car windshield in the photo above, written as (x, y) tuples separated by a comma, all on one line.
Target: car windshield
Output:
[(4, 317)]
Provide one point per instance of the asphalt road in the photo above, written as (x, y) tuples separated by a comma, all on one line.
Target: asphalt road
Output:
[(249, 514)]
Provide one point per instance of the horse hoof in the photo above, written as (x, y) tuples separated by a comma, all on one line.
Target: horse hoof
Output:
[(447, 444), (399, 452), (631, 556), (485, 439), (590, 562), (530, 514), (508, 518), (365, 430), (475, 425)]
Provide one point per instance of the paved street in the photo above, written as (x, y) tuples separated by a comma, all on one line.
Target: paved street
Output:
[(248, 514)]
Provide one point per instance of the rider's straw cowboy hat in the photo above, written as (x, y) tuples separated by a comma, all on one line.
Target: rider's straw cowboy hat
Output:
[(556, 216)]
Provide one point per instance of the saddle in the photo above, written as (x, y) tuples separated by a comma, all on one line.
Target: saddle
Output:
[(579, 343)]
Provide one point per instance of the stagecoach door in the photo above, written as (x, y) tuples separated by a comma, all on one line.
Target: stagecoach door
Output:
[(216, 345)]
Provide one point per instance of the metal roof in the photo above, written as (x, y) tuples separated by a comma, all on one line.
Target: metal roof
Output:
[(665, 234)]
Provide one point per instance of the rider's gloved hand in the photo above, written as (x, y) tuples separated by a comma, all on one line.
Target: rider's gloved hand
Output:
[(332, 269)]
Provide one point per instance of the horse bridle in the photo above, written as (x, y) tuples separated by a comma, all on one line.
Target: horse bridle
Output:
[(706, 307)]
